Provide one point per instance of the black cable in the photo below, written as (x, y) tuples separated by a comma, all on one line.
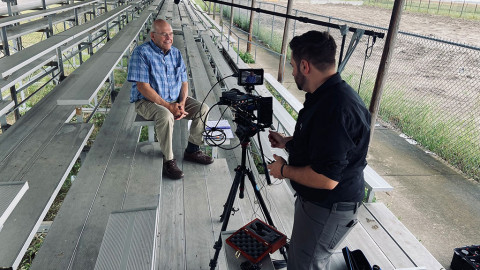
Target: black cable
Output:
[(208, 93)]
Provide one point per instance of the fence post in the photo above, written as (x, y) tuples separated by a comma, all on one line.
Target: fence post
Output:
[(250, 29), (273, 20), (283, 52), (463, 5), (385, 62), (258, 19), (295, 22)]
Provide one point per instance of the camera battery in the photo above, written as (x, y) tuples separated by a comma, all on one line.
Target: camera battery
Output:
[(256, 239)]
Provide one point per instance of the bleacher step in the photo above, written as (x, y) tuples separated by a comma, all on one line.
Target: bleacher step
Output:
[(45, 177), (129, 241), (10, 195)]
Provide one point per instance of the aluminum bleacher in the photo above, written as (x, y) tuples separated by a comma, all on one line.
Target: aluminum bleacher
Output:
[(41, 148)]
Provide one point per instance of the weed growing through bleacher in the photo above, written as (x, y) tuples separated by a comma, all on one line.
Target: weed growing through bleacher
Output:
[(32, 250)]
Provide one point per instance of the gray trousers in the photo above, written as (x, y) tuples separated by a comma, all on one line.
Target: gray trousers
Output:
[(316, 234), (164, 121)]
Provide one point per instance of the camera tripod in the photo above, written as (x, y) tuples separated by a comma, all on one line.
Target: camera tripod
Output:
[(239, 181)]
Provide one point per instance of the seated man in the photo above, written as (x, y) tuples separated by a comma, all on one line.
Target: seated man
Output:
[(251, 78), (160, 93)]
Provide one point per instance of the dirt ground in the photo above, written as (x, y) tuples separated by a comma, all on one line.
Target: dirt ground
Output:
[(451, 29)]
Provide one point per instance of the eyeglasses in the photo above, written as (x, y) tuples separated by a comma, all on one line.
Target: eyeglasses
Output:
[(164, 34)]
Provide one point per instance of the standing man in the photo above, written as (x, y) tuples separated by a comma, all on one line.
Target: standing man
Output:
[(327, 154), (160, 93)]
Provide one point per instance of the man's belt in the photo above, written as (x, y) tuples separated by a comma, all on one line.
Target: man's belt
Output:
[(339, 206)]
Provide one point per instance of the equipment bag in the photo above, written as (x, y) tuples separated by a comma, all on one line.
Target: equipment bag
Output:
[(356, 260)]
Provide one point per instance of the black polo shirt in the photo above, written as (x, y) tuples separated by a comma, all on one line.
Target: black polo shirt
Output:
[(332, 135)]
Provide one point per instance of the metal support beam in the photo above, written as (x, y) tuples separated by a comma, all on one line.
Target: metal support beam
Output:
[(60, 63), (13, 94), (6, 49), (112, 80), (50, 26)]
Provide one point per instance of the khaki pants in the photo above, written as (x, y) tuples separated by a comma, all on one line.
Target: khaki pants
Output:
[(164, 121)]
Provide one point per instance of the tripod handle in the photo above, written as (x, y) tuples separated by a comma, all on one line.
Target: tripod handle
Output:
[(242, 187), (267, 175)]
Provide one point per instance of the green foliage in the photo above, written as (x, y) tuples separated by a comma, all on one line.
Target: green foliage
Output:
[(144, 134), (285, 104), (246, 57), (97, 120), (32, 250), (201, 4), (52, 212), (419, 120), (257, 160), (365, 197)]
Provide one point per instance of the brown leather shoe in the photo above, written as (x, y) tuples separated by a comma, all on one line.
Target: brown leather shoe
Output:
[(171, 170), (198, 157)]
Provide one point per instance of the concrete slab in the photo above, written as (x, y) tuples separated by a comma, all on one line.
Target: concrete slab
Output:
[(389, 146), (435, 202)]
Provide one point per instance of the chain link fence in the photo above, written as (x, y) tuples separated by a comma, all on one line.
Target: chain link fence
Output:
[(432, 91), (455, 8)]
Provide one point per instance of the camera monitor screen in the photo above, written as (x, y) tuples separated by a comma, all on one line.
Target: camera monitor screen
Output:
[(250, 77)]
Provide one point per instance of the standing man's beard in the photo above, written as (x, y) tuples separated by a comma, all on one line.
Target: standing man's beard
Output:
[(300, 80)]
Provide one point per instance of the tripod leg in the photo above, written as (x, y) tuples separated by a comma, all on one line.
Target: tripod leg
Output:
[(256, 190), (239, 175), (231, 195), (259, 197)]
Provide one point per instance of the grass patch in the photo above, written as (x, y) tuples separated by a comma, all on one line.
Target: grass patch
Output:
[(246, 56), (453, 140), (32, 250), (285, 104), (464, 10)]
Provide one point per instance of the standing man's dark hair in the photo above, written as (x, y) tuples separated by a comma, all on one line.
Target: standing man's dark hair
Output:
[(318, 48), (327, 154)]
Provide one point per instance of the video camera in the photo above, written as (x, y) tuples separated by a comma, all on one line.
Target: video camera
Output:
[(244, 105)]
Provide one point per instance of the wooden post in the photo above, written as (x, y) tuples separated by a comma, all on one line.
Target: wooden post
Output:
[(250, 29), (214, 10), (231, 22), (385, 62), (283, 53)]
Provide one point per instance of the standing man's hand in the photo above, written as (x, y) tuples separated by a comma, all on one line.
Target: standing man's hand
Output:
[(275, 168), (277, 140)]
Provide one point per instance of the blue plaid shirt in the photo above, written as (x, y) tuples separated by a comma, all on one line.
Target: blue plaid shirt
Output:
[(164, 72)]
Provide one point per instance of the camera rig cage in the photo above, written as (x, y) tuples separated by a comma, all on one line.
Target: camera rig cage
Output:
[(245, 104)]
